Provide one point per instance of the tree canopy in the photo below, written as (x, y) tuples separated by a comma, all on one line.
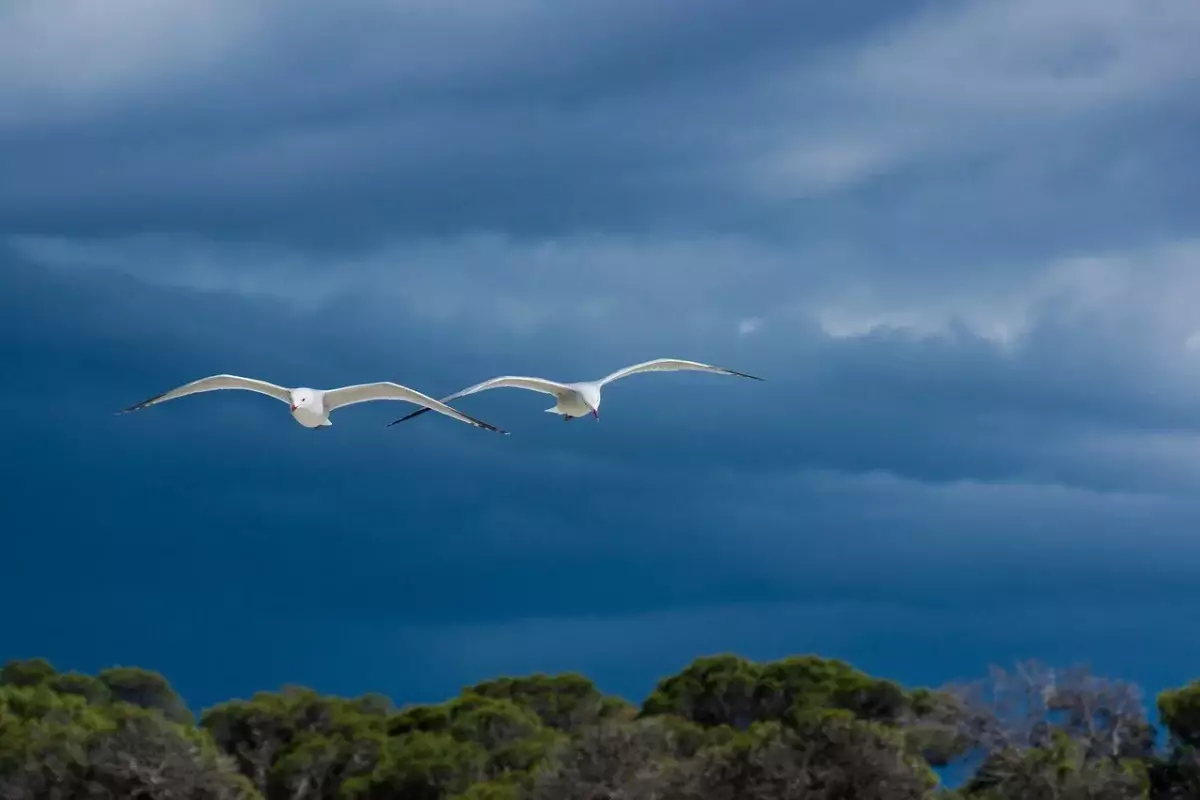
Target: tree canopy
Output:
[(723, 728)]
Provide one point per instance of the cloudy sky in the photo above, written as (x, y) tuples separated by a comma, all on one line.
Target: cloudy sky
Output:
[(959, 240)]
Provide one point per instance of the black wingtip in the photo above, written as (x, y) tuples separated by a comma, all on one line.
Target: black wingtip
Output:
[(487, 426), (476, 422), (751, 377), (416, 413), (149, 401)]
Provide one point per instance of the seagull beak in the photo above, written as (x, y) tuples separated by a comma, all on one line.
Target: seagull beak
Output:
[(293, 408)]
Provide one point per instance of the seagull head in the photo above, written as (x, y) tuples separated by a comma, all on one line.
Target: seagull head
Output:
[(302, 398), (591, 396)]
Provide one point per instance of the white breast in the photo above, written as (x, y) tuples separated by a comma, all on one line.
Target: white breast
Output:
[(574, 405), (308, 417)]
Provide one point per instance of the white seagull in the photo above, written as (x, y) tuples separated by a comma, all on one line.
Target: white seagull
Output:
[(311, 407), (582, 398)]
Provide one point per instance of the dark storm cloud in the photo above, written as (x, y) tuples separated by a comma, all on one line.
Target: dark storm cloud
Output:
[(395, 117), (328, 125)]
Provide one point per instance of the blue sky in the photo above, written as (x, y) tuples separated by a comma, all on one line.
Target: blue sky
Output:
[(959, 241)]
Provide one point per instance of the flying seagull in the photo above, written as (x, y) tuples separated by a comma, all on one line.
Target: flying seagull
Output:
[(311, 407), (582, 398)]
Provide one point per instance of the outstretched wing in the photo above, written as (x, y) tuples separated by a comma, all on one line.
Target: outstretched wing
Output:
[(348, 395), (213, 383), (671, 365), (514, 381)]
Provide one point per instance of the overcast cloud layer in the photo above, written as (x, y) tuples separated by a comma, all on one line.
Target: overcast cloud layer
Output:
[(958, 240)]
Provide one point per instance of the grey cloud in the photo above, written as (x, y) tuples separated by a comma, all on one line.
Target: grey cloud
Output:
[(400, 106), (404, 119), (409, 50)]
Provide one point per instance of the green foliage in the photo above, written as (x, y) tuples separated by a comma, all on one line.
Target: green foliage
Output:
[(1059, 771), (420, 718), (299, 741), (809, 684), (37, 671), (564, 702), (1180, 713), (686, 738), (936, 727), (728, 690), (512, 735), (716, 690), (90, 689), (1177, 776), (500, 789), (58, 745), (29, 672), (829, 756), (617, 759), (421, 766), (724, 728), (145, 689)]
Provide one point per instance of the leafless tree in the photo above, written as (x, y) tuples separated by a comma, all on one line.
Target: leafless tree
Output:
[(1024, 708)]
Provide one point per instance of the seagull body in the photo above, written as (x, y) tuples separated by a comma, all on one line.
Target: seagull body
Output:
[(312, 407), (582, 398)]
